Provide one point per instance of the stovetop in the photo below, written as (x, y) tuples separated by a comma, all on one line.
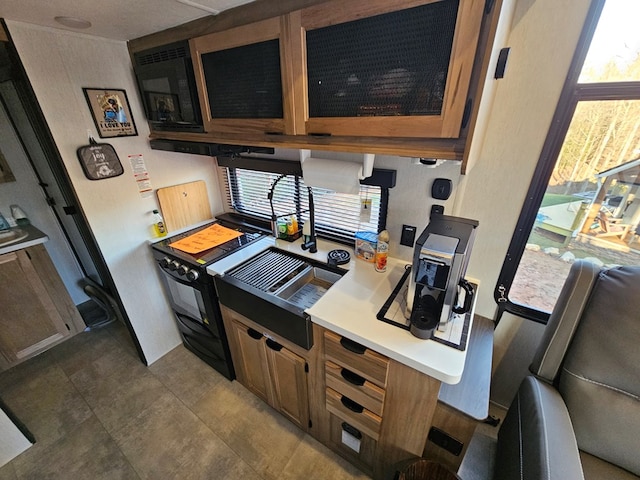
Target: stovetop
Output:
[(209, 256)]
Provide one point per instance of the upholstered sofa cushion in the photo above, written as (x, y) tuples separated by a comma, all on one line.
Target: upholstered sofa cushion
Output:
[(600, 377), (536, 440), (597, 469)]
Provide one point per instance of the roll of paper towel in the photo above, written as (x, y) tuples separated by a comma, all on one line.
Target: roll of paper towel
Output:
[(342, 177)]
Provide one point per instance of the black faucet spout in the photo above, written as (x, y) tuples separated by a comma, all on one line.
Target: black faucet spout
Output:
[(310, 243)]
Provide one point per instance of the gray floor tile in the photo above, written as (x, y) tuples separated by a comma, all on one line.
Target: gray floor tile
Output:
[(48, 404), (87, 452), (186, 375), (313, 461), (167, 440), (7, 472), (117, 398), (262, 437)]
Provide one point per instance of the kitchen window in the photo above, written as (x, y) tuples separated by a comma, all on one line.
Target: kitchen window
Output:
[(338, 216), (584, 199)]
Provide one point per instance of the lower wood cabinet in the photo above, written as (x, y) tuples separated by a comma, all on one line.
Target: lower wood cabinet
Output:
[(368, 408), (37, 312), (269, 368)]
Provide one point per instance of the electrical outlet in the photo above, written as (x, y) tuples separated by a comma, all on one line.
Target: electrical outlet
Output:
[(408, 235)]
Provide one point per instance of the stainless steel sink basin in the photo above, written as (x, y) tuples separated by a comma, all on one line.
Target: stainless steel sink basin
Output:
[(274, 288), (308, 286)]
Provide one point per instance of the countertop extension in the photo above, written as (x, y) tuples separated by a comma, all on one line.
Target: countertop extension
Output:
[(25, 237)]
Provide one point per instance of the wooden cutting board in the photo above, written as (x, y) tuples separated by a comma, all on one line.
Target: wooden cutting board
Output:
[(184, 205)]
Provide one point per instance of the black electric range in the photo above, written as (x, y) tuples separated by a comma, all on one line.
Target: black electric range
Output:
[(192, 294)]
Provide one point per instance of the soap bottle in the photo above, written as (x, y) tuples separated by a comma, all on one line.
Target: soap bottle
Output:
[(159, 228), (382, 251)]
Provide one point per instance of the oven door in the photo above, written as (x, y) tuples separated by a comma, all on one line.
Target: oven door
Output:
[(186, 298)]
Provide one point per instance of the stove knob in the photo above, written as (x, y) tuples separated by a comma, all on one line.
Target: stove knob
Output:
[(164, 263), (174, 265), (192, 275), (182, 270)]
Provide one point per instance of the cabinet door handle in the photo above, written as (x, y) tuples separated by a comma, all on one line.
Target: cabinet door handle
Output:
[(352, 346), (351, 405), (351, 430), (254, 334), (273, 345), (351, 377)]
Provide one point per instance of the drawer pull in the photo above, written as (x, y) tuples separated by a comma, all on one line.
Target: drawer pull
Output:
[(273, 345), (351, 430), (256, 335), (352, 378), (351, 405), (352, 346)]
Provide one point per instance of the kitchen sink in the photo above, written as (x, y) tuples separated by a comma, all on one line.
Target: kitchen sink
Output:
[(274, 288), (11, 236)]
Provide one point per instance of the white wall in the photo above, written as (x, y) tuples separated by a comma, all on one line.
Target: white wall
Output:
[(58, 65), (543, 38), (13, 441)]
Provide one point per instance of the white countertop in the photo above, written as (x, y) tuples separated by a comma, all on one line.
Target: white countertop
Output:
[(350, 307), (23, 237)]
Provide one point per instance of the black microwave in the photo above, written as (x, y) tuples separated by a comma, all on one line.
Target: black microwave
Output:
[(168, 88)]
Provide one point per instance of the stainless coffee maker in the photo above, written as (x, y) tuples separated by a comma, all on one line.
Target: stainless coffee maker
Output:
[(440, 261)]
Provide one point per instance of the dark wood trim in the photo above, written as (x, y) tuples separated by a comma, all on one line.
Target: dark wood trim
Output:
[(242, 15), (443, 148)]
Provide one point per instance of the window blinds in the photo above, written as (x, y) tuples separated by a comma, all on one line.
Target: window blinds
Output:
[(338, 216)]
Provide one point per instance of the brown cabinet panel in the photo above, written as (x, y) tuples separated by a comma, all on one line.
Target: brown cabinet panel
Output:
[(368, 364), (244, 79), (37, 311), (389, 70), (252, 362), (364, 453), (360, 418), (269, 367), (290, 385), (342, 380)]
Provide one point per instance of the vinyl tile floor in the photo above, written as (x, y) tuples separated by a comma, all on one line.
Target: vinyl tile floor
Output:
[(98, 413)]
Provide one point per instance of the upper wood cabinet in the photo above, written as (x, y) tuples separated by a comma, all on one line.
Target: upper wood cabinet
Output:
[(358, 69), (244, 79), (385, 69)]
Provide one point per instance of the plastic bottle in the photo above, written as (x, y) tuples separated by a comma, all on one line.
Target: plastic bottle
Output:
[(20, 217), (159, 228), (382, 251)]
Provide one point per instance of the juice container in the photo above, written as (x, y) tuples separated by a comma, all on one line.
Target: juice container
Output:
[(382, 251)]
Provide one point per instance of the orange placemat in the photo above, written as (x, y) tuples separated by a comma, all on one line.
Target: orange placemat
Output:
[(205, 239)]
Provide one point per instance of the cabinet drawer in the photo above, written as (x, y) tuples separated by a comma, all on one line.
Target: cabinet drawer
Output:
[(355, 414), (356, 357), (358, 447), (357, 388)]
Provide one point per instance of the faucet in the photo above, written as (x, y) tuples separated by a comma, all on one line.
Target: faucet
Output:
[(311, 243)]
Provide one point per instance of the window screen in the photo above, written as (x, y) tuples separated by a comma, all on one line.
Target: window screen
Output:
[(338, 216)]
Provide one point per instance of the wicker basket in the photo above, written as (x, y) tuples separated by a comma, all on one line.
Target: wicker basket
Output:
[(425, 470)]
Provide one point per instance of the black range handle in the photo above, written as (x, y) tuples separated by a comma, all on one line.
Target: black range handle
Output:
[(254, 334), (351, 377), (351, 405), (352, 346)]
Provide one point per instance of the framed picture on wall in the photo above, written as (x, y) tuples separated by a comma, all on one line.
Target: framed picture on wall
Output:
[(111, 112)]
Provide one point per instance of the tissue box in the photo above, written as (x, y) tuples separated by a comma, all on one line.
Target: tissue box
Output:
[(366, 246)]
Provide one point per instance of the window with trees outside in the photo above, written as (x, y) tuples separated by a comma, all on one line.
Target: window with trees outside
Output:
[(584, 200)]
